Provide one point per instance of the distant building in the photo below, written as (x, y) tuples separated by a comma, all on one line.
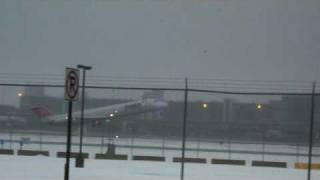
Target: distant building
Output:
[(244, 112), (228, 110), (298, 109), (7, 110), (34, 91), (35, 96)]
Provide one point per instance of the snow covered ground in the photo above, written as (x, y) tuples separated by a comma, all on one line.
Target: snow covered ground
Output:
[(51, 168), (48, 168), (168, 148)]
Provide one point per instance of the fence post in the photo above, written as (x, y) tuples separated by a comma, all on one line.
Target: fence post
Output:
[(10, 133), (184, 129), (40, 134), (132, 143), (104, 130), (263, 150), (163, 144), (102, 144), (198, 144), (298, 153), (311, 129), (229, 139)]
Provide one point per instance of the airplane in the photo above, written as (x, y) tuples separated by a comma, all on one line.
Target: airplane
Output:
[(105, 112)]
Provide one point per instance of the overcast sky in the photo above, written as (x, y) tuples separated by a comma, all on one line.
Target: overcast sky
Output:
[(233, 39)]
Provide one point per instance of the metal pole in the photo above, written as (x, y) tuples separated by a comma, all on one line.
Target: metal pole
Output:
[(80, 159), (263, 142), (40, 134), (184, 129), (67, 165), (229, 139), (263, 150), (198, 144), (298, 153), (82, 109), (102, 144), (311, 129), (132, 144), (163, 144), (10, 133), (103, 136)]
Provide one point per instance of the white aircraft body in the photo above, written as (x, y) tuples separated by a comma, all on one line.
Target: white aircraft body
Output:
[(106, 112)]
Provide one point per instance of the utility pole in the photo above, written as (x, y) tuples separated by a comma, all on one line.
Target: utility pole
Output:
[(311, 129), (184, 129), (80, 159)]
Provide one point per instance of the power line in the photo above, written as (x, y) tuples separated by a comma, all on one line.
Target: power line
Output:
[(163, 81)]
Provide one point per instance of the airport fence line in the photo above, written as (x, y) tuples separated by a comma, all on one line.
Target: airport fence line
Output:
[(197, 123)]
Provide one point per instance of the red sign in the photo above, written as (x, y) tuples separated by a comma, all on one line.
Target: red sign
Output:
[(71, 84)]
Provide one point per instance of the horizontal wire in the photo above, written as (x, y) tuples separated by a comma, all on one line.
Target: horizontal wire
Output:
[(163, 89), (159, 81)]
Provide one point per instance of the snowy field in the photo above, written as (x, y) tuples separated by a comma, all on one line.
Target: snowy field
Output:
[(166, 147), (44, 168), (51, 168)]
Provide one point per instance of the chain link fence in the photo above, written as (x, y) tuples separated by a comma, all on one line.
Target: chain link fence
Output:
[(269, 129)]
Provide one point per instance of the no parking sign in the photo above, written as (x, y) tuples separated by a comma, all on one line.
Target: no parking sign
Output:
[(71, 84), (71, 89)]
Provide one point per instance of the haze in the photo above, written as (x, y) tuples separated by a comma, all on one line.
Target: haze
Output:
[(232, 39)]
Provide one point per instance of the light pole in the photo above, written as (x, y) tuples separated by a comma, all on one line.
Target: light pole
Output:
[(204, 107), (80, 159), (259, 108)]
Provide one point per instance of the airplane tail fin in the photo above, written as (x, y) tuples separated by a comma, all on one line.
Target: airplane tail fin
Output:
[(41, 111), (159, 102)]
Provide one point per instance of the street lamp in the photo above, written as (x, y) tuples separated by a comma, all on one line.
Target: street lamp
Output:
[(205, 105), (80, 159), (259, 106)]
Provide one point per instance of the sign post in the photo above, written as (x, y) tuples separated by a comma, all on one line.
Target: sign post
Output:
[(71, 94)]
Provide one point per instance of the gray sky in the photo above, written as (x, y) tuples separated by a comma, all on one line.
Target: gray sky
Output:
[(233, 39)]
